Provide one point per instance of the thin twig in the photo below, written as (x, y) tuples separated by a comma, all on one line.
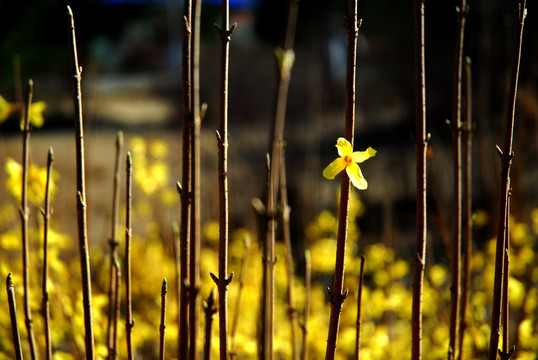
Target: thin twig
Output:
[(467, 207), (81, 197), (129, 322), (186, 187), (337, 295), (195, 243), (268, 264), (25, 213), (421, 144), (162, 327), (13, 315), (113, 309), (506, 163), (359, 310), (455, 288), (307, 284), (45, 308), (210, 309), (225, 33)]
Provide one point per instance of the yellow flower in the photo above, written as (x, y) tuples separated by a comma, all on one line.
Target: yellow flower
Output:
[(348, 160)]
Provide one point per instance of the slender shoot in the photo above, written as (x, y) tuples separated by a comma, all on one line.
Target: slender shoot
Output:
[(81, 197), (162, 327), (337, 295), (506, 163), (13, 315), (45, 306), (210, 309), (25, 213), (129, 322), (421, 144)]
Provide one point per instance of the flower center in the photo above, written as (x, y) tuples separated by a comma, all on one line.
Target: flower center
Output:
[(348, 159)]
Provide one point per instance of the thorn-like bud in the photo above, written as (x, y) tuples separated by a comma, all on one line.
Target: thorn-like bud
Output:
[(164, 287), (234, 26), (203, 110), (359, 23), (499, 150), (230, 278), (119, 138), (50, 157), (179, 188), (217, 28), (9, 282), (258, 206), (219, 138), (215, 278)]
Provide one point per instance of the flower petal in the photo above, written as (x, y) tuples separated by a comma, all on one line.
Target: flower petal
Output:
[(355, 175), (360, 156), (334, 168), (344, 147)]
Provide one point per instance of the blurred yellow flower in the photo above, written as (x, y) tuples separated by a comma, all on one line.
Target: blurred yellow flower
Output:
[(36, 114), (348, 160), (5, 109), (37, 180), (158, 149)]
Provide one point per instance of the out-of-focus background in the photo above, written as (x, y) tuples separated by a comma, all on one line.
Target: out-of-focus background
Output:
[(130, 54)]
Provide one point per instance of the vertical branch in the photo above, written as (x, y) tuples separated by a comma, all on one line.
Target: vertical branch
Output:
[(268, 263), (338, 295), (455, 288), (242, 277), (24, 213), (162, 327), (467, 208), (506, 163), (359, 308), (129, 322), (195, 243), (186, 188), (210, 309), (113, 296), (45, 308), (81, 197), (421, 145), (307, 283), (13, 315), (285, 59), (225, 33)]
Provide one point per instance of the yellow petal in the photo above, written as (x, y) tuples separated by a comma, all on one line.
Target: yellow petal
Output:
[(355, 175), (344, 147), (334, 168), (360, 156)]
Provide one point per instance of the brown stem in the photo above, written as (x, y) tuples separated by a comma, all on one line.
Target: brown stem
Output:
[(129, 322), (13, 315), (113, 242), (467, 207), (81, 198), (222, 140), (307, 283), (210, 309), (506, 163), (25, 213), (162, 327), (455, 288), (186, 187), (268, 263), (195, 243), (46, 221), (421, 144), (338, 295), (359, 310)]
